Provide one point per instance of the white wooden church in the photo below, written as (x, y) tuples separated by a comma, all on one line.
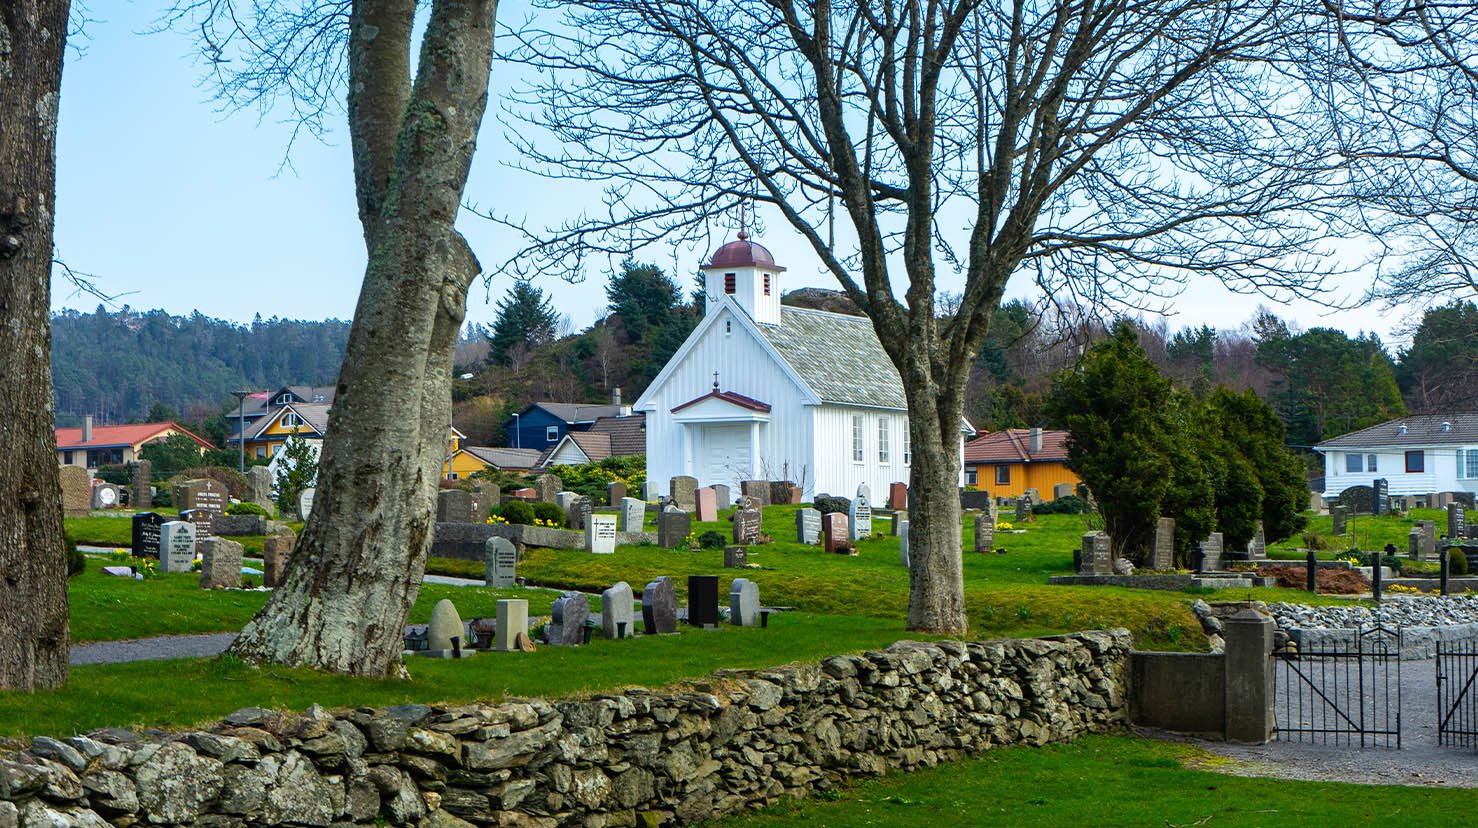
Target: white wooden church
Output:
[(761, 391)]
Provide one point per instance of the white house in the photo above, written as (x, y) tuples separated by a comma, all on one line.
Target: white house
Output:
[(760, 391), (1418, 455)]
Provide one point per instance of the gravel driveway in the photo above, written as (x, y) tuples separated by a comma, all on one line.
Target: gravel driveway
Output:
[(151, 649)]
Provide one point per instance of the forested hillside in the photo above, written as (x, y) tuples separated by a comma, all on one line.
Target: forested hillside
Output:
[(118, 365)]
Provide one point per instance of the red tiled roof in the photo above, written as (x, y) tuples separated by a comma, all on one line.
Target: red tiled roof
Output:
[(729, 397), (118, 435), (1012, 444)]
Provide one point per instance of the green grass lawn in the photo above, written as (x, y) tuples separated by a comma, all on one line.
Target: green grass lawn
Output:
[(1109, 780)]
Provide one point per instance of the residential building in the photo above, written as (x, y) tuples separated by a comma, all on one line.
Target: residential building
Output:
[(542, 425), (762, 391), (1417, 455), (93, 446), (1008, 462), (607, 437), (467, 460)]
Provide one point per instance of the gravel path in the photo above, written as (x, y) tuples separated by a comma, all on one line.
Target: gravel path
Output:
[(151, 649)]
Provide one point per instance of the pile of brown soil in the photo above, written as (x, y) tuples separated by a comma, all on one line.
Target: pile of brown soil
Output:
[(1333, 581)]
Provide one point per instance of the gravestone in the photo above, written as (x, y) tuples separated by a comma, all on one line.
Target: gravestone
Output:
[(566, 502), (445, 625), (276, 551), (757, 489), (455, 506), (1316, 502), (780, 491), (808, 526), (1033, 497), (1162, 555), (141, 495), (673, 528), (744, 603), (305, 502), (659, 607), (985, 533), (864, 491), (1457, 520), (706, 504), (526, 494), (176, 546), (567, 629), (1426, 539), (513, 620), (633, 512), (204, 496), (1097, 556), (903, 545), (974, 499), (1381, 496), (76, 492), (682, 489), (259, 487), (736, 557), (488, 496), (584, 511), (1062, 490), (720, 496), (220, 564), (1338, 515), (900, 516), (146, 534), (106, 496), (747, 526), (703, 600), (859, 516), (615, 492), (617, 620), (834, 532), (898, 496), (1414, 543), (1257, 548), (1023, 508), (600, 534), (1210, 554), (500, 563), (546, 486)]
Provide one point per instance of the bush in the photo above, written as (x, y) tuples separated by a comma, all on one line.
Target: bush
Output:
[(1457, 562), (1065, 505), (76, 561), (711, 540), (549, 513), (826, 504), (119, 474), (1316, 542), (519, 512), (246, 507)]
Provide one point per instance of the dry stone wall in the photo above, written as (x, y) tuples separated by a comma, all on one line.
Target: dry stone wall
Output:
[(639, 757)]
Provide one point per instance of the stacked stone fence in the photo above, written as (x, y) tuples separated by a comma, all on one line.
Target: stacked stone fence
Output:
[(698, 750)]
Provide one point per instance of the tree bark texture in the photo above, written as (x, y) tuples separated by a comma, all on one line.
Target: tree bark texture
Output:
[(33, 567), (358, 566)]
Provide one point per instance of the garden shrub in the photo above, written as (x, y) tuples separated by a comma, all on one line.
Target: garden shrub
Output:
[(1457, 562), (1065, 505), (549, 513), (76, 561), (246, 507), (826, 504), (711, 540), (519, 512), (1316, 542)]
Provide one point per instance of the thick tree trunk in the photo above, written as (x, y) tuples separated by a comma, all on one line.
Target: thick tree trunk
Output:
[(936, 599), (33, 567), (358, 566)]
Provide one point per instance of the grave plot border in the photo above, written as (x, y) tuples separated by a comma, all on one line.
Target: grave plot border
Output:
[(1346, 693), (1457, 693)]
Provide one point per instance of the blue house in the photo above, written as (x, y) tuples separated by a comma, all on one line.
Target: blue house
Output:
[(541, 425)]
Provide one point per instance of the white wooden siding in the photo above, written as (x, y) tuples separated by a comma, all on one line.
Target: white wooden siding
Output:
[(1441, 474)]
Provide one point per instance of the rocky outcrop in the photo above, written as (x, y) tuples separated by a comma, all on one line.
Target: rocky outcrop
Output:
[(639, 757)]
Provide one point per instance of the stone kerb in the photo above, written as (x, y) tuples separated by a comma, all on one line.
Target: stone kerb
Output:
[(742, 739)]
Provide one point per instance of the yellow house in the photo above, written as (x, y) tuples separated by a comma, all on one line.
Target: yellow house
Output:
[(465, 460), (1007, 463), (308, 421)]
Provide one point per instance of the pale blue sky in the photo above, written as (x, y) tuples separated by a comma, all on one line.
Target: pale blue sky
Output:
[(176, 205)]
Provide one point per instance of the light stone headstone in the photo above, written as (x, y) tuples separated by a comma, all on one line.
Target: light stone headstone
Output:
[(176, 546), (808, 526), (721, 496), (864, 491), (985, 533), (1162, 556), (1427, 540), (277, 550), (903, 544), (1316, 502), (105, 496), (454, 506), (682, 489), (659, 607), (220, 564), (673, 528), (76, 491), (744, 603), (895, 520), (617, 618), (141, 494), (305, 502), (633, 512), (259, 487), (1457, 520), (1032, 496), (500, 563), (706, 505), (546, 487), (859, 516), (600, 534), (1062, 490), (566, 502), (513, 619), (1338, 515), (445, 625), (747, 526), (1210, 557), (567, 629)]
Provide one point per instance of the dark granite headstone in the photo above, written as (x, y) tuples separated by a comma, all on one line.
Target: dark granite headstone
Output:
[(736, 557), (673, 528), (1337, 516), (659, 607), (985, 533), (454, 506), (703, 600), (567, 628), (1097, 556), (747, 526), (1457, 520), (1023, 508), (780, 491), (146, 534), (757, 489), (142, 494), (974, 499), (615, 491), (1382, 500)]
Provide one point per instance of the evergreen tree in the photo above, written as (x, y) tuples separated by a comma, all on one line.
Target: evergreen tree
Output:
[(298, 470), (644, 297), (526, 316), (1248, 426), (1330, 384), (1438, 372)]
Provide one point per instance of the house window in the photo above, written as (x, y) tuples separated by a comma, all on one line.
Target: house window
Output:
[(261, 451), (729, 283), (452, 476), (856, 438), (1353, 464), (767, 284), (882, 439), (291, 420), (552, 434), (907, 446), (68, 458), (1003, 475), (1370, 462), (1471, 466), (728, 327), (1416, 462), (970, 476), (284, 399)]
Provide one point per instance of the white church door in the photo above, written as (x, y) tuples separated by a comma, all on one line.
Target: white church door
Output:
[(727, 454)]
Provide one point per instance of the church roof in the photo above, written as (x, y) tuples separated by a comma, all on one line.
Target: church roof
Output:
[(838, 356), (743, 253)]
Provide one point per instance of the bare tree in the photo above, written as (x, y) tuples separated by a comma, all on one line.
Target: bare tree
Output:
[(1106, 150), (33, 589), (358, 568)]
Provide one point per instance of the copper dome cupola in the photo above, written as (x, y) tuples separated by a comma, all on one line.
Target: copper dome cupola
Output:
[(744, 253), (746, 273)]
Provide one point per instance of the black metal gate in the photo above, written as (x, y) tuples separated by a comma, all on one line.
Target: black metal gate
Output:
[(1345, 692), (1457, 693)]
